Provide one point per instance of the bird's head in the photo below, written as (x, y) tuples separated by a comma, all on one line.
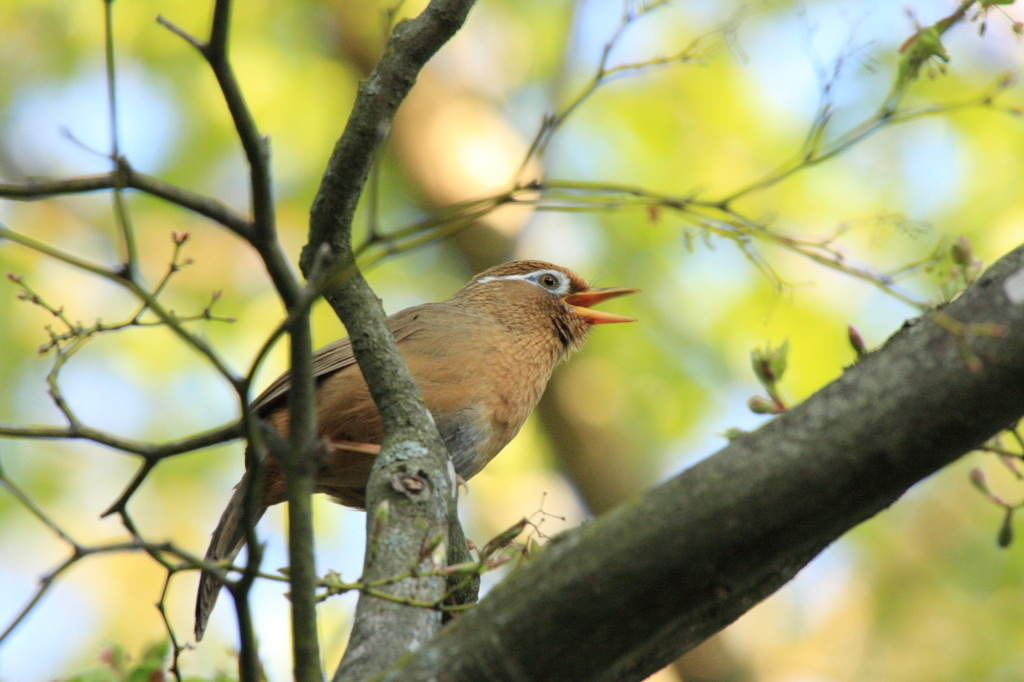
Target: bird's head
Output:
[(542, 296)]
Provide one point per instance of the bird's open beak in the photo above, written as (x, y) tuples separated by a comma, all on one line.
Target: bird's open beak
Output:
[(581, 302)]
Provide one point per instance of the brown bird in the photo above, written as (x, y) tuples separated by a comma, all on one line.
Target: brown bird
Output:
[(481, 359)]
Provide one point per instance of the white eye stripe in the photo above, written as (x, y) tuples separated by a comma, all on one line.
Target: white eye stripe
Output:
[(534, 278)]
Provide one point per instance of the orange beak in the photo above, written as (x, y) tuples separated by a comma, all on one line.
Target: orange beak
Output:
[(581, 302)]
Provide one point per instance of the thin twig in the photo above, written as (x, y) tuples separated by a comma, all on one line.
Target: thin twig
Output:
[(120, 208), (35, 189), (176, 647), (149, 451), (196, 342)]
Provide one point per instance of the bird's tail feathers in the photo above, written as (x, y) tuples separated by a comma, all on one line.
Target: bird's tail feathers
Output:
[(226, 542)]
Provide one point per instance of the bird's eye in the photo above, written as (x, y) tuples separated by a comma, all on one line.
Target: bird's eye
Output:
[(549, 281)]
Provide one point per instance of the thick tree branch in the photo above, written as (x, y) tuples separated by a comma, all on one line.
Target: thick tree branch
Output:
[(412, 485), (412, 43), (301, 459), (623, 596), (406, 528)]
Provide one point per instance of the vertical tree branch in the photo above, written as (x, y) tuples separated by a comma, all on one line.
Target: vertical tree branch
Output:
[(412, 486), (131, 256), (249, 667), (300, 461), (301, 467), (406, 527)]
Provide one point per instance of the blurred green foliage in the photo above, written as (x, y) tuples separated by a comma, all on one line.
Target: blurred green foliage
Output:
[(118, 666), (919, 593)]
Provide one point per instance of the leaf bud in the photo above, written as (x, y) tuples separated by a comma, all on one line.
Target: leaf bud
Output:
[(961, 252), (504, 538), (734, 433), (761, 405), (856, 341), (978, 480)]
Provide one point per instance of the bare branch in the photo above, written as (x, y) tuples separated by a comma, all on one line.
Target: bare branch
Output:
[(80, 551), (263, 235), (35, 189), (300, 461), (194, 341), (411, 442), (696, 51), (149, 451), (121, 216), (818, 151)]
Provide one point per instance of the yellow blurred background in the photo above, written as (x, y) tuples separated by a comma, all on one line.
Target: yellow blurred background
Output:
[(919, 593)]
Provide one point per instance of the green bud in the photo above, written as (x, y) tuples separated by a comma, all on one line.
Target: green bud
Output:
[(856, 341), (760, 405), (733, 433), (917, 50), (505, 538), (780, 359), (978, 480), (332, 579), (760, 365), (769, 363), (961, 252)]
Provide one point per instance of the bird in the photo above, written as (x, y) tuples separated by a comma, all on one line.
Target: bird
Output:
[(481, 359)]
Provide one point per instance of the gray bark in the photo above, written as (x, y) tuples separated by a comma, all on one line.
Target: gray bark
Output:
[(625, 595), (411, 491)]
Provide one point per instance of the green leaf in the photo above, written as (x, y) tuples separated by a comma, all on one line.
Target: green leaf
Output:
[(779, 358)]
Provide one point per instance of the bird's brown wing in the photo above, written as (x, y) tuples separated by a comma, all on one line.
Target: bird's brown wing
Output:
[(330, 359), (344, 477)]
